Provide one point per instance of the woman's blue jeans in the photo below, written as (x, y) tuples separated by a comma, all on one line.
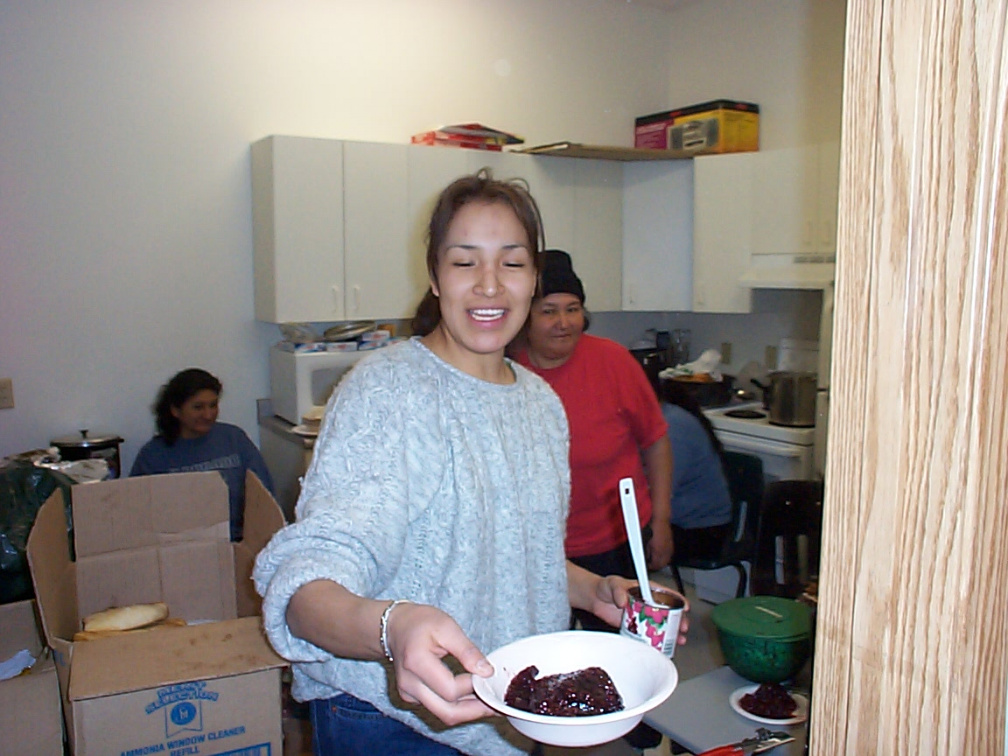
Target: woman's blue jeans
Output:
[(346, 726)]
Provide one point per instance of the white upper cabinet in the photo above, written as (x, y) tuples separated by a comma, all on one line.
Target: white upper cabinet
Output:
[(581, 205), (722, 231), (551, 182), (598, 232), (381, 278), (773, 202), (429, 170), (795, 201), (658, 235), (297, 215), (331, 231), (340, 227)]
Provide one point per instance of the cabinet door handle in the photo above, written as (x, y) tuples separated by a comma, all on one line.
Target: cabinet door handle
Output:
[(356, 298), (336, 299)]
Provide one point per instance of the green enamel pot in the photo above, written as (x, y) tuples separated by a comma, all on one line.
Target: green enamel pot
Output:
[(765, 639)]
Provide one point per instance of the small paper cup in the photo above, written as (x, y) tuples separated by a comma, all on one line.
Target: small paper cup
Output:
[(655, 624)]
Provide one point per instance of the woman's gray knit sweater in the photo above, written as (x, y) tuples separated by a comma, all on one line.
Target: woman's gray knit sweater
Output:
[(430, 485)]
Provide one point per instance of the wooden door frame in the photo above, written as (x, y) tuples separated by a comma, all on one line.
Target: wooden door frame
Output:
[(913, 615)]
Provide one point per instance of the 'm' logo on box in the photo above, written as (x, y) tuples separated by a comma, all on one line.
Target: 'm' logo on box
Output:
[(182, 705)]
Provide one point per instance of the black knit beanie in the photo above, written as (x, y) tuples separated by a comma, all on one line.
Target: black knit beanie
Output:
[(558, 276)]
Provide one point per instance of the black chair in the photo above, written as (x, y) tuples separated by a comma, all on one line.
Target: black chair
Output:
[(745, 483), (787, 555)]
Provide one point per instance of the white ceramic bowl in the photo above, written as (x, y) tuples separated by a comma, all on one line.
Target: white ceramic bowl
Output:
[(643, 677)]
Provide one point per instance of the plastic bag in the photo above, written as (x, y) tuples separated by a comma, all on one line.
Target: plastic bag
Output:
[(24, 488)]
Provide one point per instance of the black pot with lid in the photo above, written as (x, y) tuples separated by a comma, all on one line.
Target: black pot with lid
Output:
[(87, 445)]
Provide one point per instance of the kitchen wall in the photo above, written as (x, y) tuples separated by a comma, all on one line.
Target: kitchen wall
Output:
[(125, 223), (788, 57)]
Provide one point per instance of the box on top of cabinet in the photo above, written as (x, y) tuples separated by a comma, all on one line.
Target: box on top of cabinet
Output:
[(708, 128), (212, 685), (30, 720)]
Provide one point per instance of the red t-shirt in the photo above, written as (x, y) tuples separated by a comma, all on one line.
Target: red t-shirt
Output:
[(613, 415)]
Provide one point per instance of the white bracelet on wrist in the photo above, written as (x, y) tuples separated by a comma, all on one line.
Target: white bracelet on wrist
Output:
[(384, 626)]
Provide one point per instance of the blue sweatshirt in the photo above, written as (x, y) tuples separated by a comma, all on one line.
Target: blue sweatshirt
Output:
[(225, 448), (700, 495)]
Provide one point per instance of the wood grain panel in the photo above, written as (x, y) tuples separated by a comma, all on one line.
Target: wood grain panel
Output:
[(842, 524), (915, 512)]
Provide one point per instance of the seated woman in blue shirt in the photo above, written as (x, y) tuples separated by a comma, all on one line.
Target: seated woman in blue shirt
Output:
[(190, 439), (701, 501)]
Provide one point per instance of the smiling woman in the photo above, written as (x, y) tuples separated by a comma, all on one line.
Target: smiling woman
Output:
[(484, 280), (431, 520), (482, 241), (190, 439)]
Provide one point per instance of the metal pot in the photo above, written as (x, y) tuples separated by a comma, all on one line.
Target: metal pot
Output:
[(96, 446), (790, 398)]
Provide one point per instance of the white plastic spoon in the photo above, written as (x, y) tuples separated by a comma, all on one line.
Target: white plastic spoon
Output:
[(629, 501)]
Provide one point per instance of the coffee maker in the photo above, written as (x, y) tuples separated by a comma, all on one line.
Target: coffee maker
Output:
[(653, 360), (669, 350)]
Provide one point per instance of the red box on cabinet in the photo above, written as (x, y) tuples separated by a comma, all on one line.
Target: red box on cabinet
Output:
[(708, 128)]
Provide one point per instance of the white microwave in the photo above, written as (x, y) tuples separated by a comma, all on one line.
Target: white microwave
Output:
[(301, 381)]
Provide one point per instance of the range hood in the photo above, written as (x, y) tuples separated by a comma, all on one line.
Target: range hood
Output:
[(790, 275)]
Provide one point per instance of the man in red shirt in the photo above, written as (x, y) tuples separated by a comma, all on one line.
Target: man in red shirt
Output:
[(617, 429)]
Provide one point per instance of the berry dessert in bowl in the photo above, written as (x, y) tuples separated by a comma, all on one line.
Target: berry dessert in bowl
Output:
[(576, 688)]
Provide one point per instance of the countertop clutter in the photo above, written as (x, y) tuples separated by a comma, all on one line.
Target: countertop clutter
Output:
[(699, 716), (303, 373)]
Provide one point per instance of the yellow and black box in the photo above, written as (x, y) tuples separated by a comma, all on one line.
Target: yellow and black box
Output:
[(704, 129)]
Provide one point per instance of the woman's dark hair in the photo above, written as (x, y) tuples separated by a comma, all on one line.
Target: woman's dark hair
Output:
[(479, 187), (674, 393), (182, 386)]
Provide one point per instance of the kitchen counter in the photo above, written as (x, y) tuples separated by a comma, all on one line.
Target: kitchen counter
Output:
[(287, 455), (697, 716), (279, 426)]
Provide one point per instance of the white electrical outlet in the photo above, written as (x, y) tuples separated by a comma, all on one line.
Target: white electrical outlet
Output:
[(6, 393)]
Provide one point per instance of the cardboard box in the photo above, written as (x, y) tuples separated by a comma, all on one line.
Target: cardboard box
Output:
[(212, 687), (30, 720), (708, 128)]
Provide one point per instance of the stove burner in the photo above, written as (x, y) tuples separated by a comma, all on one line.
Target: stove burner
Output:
[(746, 414)]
